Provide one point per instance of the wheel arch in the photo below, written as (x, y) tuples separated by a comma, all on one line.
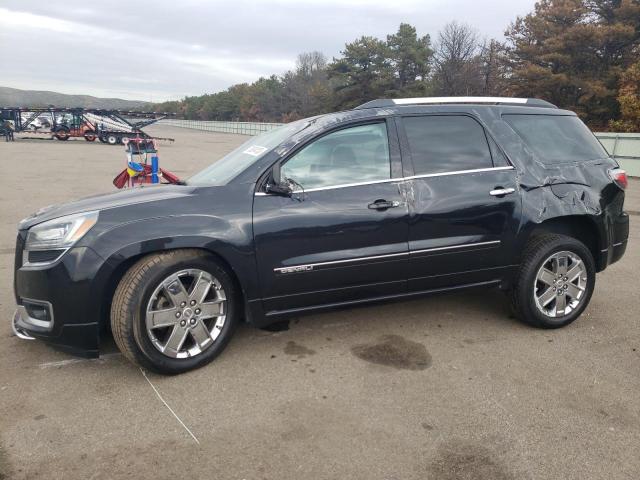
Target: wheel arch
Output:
[(584, 228), (118, 264)]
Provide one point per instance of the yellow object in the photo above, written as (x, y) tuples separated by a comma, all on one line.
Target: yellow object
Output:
[(131, 172)]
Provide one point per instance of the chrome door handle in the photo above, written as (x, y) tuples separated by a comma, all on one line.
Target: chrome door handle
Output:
[(499, 192)]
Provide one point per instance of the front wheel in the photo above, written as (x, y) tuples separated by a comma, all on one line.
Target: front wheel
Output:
[(174, 311), (555, 281), (62, 133)]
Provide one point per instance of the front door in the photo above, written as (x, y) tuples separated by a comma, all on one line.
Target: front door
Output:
[(463, 200), (342, 235)]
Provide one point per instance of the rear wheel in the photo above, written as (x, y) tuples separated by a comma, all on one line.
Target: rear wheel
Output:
[(113, 139), (555, 281), (90, 135), (174, 311)]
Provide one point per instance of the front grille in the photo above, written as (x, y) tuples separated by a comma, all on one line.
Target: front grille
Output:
[(43, 256)]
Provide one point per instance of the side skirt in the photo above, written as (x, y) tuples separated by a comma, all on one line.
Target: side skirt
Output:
[(259, 318)]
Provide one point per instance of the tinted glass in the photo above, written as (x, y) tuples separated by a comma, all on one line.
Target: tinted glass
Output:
[(556, 138), (357, 154), (499, 159), (232, 164), (446, 144)]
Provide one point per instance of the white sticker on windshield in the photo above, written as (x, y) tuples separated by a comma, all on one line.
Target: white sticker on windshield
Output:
[(255, 150)]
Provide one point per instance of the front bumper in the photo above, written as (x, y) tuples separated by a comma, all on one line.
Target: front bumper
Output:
[(65, 289)]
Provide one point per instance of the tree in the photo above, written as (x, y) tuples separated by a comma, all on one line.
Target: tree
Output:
[(493, 69), (363, 73), (629, 100), (572, 53), (306, 88), (263, 100), (410, 56), (457, 62)]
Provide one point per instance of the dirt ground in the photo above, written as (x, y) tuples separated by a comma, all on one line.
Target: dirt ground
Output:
[(438, 388)]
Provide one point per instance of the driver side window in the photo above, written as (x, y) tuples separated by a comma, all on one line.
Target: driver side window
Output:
[(352, 155)]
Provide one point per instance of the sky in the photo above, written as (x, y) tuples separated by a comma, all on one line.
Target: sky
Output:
[(157, 50)]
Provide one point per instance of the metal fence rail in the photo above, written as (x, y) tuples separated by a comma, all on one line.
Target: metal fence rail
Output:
[(241, 128), (624, 147)]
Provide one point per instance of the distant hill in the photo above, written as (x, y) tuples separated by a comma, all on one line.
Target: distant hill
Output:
[(12, 97)]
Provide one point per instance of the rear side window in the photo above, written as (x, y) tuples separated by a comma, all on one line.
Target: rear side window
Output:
[(441, 144), (556, 139)]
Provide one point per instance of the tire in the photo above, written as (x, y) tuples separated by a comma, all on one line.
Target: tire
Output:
[(113, 139), (146, 288), (102, 139), (535, 286), (90, 135), (62, 133)]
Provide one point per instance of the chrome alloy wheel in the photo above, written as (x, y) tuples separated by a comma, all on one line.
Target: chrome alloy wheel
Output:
[(560, 284), (186, 313)]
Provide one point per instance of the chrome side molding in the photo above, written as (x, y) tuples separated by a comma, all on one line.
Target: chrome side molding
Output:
[(311, 266)]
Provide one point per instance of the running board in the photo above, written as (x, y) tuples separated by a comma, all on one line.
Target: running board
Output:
[(328, 306)]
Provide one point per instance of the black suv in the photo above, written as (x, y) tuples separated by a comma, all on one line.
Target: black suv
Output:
[(393, 199)]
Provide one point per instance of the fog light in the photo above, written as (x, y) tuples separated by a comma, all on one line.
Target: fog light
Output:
[(41, 312)]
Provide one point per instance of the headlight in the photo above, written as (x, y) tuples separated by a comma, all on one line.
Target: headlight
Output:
[(60, 232)]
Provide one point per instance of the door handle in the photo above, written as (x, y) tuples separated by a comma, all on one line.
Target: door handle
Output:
[(501, 192), (383, 204)]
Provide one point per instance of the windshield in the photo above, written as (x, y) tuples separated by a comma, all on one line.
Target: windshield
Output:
[(232, 164)]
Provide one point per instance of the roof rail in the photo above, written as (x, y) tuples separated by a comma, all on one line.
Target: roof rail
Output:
[(392, 102)]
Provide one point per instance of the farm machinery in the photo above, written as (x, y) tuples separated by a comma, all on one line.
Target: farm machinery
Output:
[(108, 126)]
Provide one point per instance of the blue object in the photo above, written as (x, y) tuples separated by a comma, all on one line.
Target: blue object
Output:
[(135, 166), (154, 169)]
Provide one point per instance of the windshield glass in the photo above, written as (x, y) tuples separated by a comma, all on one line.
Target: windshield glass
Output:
[(232, 164)]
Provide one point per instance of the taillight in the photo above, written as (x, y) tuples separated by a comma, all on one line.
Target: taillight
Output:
[(619, 176)]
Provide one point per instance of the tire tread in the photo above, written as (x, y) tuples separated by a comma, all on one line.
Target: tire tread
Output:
[(123, 300), (530, 259)]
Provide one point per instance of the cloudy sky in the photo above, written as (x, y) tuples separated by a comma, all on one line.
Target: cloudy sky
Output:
[(156, 50)]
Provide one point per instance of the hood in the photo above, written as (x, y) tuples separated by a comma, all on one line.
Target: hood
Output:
[(105, 201)]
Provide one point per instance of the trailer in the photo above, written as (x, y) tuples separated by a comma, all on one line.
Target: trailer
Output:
[(108, 126)]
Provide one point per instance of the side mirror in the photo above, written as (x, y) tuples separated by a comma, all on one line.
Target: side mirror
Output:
[(275, 186)]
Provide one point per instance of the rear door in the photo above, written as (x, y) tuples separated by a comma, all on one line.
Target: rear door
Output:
[(463, 200), (342, 236)]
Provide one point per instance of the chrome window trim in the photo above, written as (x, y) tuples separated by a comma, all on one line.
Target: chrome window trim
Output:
[(310, 266), (459, 172), (397, 179)]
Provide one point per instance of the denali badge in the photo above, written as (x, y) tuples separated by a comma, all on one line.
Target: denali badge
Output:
[(300, 268)]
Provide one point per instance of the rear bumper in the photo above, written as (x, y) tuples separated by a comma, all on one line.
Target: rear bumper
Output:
[(618, 236)]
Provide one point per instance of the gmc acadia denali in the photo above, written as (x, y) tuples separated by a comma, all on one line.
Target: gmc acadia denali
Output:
[(393, 199)]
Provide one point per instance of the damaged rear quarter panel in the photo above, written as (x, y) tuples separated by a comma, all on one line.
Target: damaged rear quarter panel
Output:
[(557, 191)]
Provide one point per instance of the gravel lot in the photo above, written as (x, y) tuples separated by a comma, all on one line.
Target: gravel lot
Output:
[(475, 394)]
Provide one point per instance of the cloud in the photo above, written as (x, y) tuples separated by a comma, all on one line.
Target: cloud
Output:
[(152, 49)]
